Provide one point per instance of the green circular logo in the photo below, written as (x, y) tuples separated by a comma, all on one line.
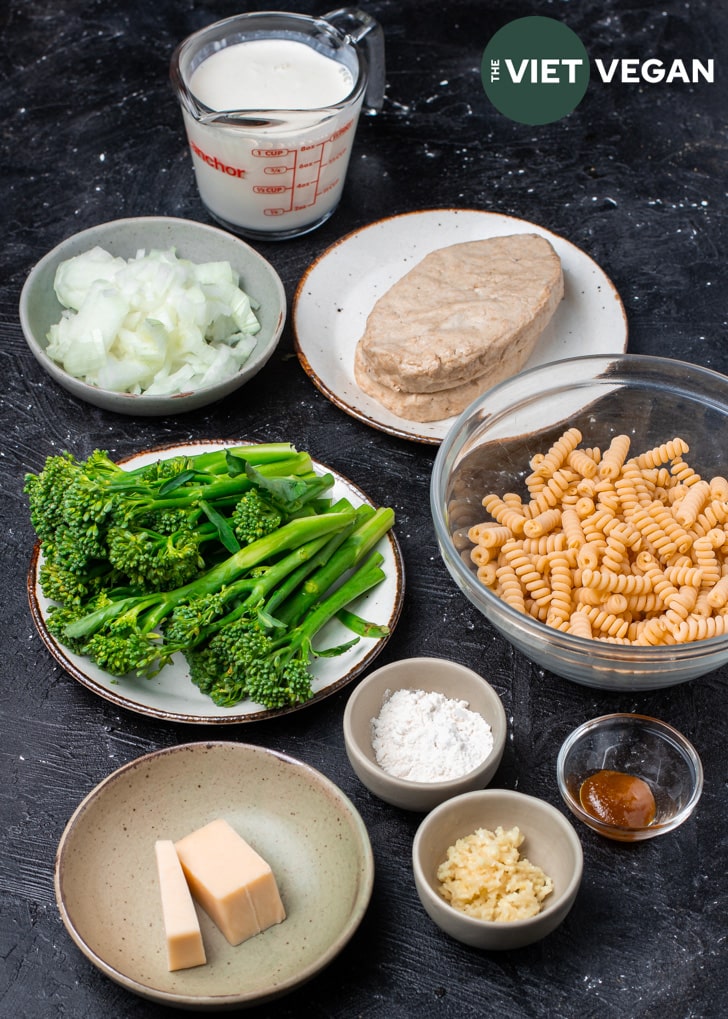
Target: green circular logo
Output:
[(535, 70)]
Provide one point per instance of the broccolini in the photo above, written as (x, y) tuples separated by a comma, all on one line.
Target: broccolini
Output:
[(234, 558)]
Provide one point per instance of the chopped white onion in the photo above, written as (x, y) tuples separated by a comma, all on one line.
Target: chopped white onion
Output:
[(155, 324)]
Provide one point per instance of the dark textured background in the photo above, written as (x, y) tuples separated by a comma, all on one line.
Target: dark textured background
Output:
[(636, 177)]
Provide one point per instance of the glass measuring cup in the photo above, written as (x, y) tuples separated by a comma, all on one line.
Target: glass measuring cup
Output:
[(275, 173)]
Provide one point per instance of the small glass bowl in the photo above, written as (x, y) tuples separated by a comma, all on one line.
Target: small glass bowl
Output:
[(637, 745), (488, 448)]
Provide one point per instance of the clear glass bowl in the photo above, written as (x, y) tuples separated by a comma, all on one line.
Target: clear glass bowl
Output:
[(489, 447), (636, 745)]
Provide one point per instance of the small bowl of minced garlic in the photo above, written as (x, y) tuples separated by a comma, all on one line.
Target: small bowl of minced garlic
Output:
[(419, 731), (497, 869)]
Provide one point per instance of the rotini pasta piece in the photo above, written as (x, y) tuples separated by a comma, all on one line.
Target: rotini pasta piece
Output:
[(504, 514), (631, 488), (539, 525), (672, 528), (614, 457), (557, 455), (616, 605), (553, 542), (584, 506), (491, 537), (684, 574), (594, 526), (719, 488), (717, 596), (510, 588), (686, 512), (486, 574), (714, 514), (525, 569), (580, 624), (643, 604), (619, 583), (705, 558), (589, 555), (652, 531), (552, 493), (561, 576), (582, 463), (662, 454), (572, 529), (481, 555), (606, 622), (683, 473)]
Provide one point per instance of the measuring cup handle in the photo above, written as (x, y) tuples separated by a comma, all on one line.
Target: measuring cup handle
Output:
[(360, 27)]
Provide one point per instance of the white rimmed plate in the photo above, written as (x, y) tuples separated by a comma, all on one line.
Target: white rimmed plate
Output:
[(171, 695), (296, 818), (339, 289)]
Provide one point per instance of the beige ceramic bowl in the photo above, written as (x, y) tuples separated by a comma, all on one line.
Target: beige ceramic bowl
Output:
[(40, 308), (550, 843), (311, 835), (430, 674)]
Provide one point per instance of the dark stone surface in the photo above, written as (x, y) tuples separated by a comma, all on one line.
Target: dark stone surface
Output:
[(636, 177)]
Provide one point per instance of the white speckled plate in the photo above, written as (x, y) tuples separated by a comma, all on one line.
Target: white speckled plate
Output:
[(296, 818), (337, 292), (171, 696)]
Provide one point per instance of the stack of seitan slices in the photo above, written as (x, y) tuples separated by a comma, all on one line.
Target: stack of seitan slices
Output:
[(465, 318)]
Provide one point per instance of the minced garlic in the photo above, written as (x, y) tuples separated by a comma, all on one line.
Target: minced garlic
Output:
[(485, 876)]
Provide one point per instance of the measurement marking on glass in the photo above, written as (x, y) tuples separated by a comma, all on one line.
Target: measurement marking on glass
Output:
[(303, 169)]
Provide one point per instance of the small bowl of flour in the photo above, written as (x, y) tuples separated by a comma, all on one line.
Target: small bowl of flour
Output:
[(421, 730)]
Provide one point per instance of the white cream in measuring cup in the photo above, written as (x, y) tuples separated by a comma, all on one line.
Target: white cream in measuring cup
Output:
[(270, 103)]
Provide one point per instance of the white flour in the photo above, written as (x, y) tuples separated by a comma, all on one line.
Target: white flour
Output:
[(427, 737)]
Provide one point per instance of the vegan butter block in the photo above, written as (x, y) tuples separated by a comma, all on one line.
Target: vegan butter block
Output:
[(233, 884), (181, 926)]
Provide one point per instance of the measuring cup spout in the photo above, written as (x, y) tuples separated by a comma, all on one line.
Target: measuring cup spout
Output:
[(361, 28)]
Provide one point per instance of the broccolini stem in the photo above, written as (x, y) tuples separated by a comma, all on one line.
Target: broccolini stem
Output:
[(364, 579), (362, 627), (292, 582), (350, 554), (265, 453)]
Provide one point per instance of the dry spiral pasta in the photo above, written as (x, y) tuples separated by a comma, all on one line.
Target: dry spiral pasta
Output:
[(611, 545)]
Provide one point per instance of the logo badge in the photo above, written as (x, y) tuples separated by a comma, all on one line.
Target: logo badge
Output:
[(535, 70)]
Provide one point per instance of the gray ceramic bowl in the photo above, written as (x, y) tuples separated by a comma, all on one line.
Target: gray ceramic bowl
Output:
[(550, 843), (640, 746), (488, 449), (430, 674), (296, 818), (40, 308)]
